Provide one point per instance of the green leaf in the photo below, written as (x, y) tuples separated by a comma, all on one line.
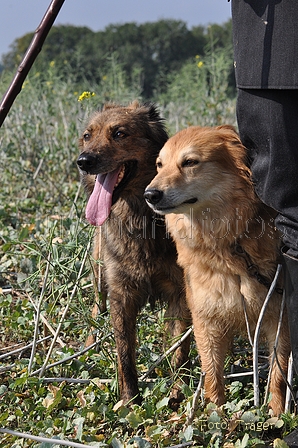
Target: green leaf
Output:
[(78, 423), (188, 433), (248, 417), (256, 443), (117, 444), (278, 443), (275, 422), (18, 413), (244, 441), (134, 419), (6, 247), (162, 403), (235, 388), (23, 233), (21, 381), (56, 401), (154, 432), (139, 442), (49, 445), (3, 389), (4, 416)]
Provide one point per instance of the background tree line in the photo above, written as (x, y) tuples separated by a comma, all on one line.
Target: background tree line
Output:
[(149, 52)]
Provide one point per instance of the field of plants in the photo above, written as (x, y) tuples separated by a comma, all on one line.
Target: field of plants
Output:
[(51, 387)]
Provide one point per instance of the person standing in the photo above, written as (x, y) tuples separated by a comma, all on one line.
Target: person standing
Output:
[(265, 39)]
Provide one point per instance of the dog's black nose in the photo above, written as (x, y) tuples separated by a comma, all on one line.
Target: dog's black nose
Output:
[(87, 162), (153, 195)]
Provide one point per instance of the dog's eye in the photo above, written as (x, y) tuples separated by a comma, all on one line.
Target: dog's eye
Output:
[(86, 136), (189, 163), (158, 165), (119, 134)]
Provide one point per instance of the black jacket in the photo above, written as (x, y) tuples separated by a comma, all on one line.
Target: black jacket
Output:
[(265, 34)]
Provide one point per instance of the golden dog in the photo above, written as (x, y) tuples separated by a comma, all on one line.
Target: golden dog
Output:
[(227, 246)]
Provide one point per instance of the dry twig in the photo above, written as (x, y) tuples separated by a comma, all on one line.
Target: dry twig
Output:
[(23, 348), (44, 439), (38, 312), (195, 400), (164, 355), (257, 335), (65, 310)]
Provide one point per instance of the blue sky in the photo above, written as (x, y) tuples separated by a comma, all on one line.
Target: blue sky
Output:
[(18, 17)]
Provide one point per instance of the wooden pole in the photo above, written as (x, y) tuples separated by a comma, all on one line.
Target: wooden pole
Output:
[(29, 57)]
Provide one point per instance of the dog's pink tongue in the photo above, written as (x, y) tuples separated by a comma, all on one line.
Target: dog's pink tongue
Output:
[(100, 201)]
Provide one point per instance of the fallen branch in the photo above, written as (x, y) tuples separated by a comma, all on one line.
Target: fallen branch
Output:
[(68, 358), (65, 380), (44, 439), (164, 355), (29, 57), (24, 347), (6, 368)]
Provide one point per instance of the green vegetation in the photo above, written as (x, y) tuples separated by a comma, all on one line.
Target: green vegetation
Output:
[(45, 264), (152, 49)]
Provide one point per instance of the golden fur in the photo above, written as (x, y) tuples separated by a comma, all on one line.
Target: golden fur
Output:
[(205, 189)]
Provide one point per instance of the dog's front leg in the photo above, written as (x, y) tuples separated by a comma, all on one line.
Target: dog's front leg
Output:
[(212, 339), (212, 346), (124, 314)]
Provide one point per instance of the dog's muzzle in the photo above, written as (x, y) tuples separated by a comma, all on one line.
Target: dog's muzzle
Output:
[(153, 196), (88, 162)]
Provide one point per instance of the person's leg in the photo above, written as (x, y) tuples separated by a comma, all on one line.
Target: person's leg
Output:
[(268, 127)]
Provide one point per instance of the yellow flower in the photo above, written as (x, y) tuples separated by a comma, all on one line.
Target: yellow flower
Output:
[(104, 78), (52, 64), (86, 95), (25, 83), (200, 64)]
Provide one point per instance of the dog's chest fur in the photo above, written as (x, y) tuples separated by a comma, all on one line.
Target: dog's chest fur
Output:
[(137, 250)]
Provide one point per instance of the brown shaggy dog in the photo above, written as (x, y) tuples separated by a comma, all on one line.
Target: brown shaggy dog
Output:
[(220, 228), (118, 153)]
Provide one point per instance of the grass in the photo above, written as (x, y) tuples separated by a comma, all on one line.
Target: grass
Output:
[(45, 271)]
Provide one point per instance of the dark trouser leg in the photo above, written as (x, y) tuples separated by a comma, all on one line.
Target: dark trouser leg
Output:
[(268, 127), (290, 266)]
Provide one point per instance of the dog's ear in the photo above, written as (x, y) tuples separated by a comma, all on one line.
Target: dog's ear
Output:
[(235, 151), (109, 105), (227, 127), (134, 105), (153, 113), (156, 125), (230, 132)]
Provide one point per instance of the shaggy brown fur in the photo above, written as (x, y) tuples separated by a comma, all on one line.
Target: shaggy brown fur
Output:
[(205, 188), (139, 258)]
